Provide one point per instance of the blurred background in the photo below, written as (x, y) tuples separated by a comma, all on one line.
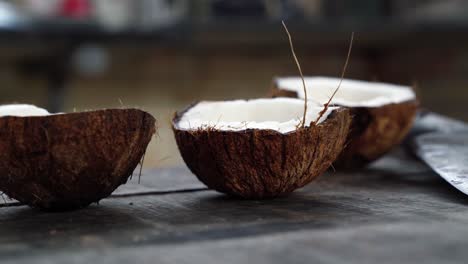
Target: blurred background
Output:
[(160, 55)]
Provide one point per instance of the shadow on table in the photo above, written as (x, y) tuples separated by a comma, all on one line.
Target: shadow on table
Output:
[(23, 225), (427, 182)]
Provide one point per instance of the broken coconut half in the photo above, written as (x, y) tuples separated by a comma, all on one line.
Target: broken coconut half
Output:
[(259, 148), (67, 161), (382, 113)]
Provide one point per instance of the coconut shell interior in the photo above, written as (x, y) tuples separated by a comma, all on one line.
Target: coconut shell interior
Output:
[(262, 163), (374, 130), (67, 161)]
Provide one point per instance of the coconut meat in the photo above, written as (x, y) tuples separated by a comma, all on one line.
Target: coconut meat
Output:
[(280, 114), (352, 93), (22, 110)]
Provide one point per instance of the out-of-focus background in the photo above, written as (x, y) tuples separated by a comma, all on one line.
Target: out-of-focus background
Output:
[(160, 55)]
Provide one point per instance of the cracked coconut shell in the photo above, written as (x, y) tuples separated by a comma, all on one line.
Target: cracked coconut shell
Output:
[(262, 163), (68, 161), (374, 130)]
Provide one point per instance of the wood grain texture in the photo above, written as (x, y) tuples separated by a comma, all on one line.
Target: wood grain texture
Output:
[(150, 182), (397, 211)]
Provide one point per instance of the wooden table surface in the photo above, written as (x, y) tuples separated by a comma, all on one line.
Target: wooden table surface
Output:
[(397, 211)]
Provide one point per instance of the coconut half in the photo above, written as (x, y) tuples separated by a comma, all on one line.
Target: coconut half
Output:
[(257, 148), (67, 161), (382, 113)]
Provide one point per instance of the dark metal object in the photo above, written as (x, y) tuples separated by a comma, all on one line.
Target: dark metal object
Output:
[(442, 143), (427, 122)]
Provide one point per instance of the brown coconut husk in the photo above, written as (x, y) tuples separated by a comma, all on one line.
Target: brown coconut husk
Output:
[(68, 161), (262, 163), (373, 132)]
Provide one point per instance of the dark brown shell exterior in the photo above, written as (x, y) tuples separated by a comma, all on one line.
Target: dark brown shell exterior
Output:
[(258, 163), (373, 132), (67, 161)]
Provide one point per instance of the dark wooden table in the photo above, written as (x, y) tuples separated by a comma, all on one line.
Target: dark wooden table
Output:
[(397, 211)]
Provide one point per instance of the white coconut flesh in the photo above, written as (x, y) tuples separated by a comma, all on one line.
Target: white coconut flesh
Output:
[(22, 110), (281, 114), (352, 93)]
